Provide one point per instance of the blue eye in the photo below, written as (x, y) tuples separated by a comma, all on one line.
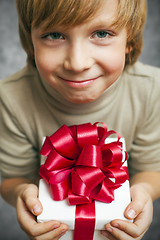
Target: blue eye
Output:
[(54, 36), (102, 34)]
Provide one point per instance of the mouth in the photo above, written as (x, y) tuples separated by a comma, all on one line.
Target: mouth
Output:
[(79, 84)]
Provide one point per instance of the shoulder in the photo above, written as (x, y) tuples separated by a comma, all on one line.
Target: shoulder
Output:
[(144, 72), (140, 87), (24, 76), (143, 79), (18, 86)]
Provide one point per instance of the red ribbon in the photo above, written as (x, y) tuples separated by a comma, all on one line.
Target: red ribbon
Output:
[(82, 167)]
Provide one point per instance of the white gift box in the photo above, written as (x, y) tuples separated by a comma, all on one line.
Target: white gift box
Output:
[(63, 212)]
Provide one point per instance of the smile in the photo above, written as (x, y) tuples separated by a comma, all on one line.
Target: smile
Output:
[(80, 84)]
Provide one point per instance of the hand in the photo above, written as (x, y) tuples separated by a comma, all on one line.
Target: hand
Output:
[(28, 207), (140, 210)]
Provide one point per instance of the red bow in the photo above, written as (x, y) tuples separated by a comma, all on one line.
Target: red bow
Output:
[(81, 167)]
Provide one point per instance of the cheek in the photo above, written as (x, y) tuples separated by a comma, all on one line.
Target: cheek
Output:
[(114, 61), (46, 63)]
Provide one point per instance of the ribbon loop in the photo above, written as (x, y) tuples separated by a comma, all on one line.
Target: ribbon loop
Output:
[(91, 156), (64, 143), (87, 134), (59, 162)]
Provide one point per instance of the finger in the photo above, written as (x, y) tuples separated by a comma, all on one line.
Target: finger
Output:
[(25, 218), (137, 204), (140, 224), (28, 223), (54, 234), (131, 229), (118, 234), (30, 198), (144, 219), (108, 235)]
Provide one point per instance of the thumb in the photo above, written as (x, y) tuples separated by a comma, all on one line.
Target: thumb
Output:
[(30, 198), (136, 206)]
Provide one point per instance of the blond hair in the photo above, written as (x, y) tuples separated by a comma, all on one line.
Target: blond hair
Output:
[(33, 13)]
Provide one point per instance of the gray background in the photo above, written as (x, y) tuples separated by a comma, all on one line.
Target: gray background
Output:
[(12, 58)]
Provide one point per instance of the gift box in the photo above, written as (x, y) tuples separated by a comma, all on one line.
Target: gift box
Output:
[(64, 212)]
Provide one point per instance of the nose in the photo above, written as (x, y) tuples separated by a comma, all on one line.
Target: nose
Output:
[(78, 58)]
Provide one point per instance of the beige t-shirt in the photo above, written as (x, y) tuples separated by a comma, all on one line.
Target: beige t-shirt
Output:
[(30, 109)]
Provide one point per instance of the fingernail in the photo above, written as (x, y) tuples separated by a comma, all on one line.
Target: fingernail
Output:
[(116, 225), (62, 233), (131, 213), (56, 226), (37, 209), (104, 233), (109, 229)]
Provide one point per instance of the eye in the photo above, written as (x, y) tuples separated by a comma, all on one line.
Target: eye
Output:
[(54, 36), (101, 34)]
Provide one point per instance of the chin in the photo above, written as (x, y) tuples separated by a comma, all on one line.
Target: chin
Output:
[(81, 100)]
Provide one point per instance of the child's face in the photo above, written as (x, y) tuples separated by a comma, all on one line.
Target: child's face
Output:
[(81, 62)]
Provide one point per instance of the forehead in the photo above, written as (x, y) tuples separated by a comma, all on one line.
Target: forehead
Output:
[(70, 12)]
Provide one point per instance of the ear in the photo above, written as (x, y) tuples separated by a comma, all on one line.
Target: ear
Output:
[(129, 48), (128, 52)]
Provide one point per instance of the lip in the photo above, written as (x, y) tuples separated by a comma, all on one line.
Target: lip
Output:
[(79, 84)]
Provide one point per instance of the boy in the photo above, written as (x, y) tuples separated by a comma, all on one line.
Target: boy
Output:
[(81, 68)]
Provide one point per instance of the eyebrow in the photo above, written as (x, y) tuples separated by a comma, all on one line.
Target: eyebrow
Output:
[(108, 23)]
